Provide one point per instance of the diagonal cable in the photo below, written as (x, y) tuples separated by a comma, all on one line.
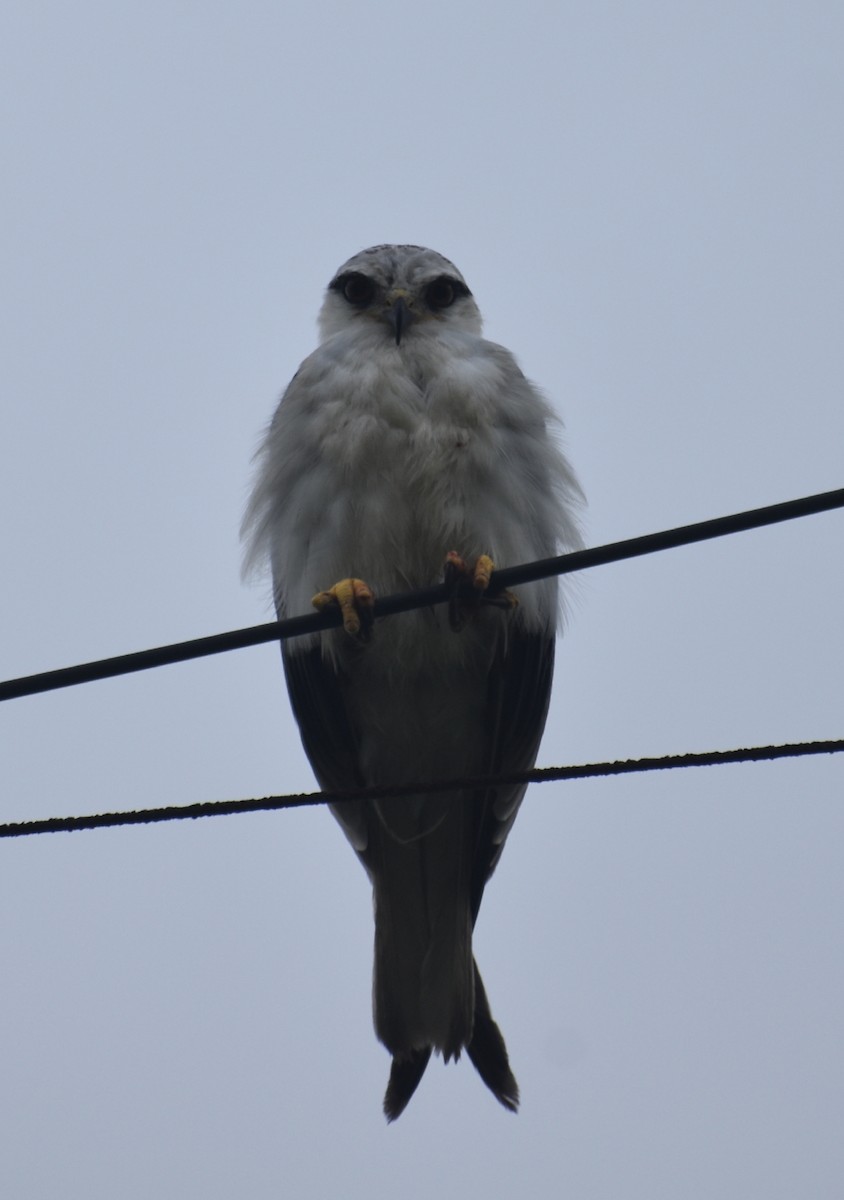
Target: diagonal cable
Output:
[(565, 564), (225, 808)]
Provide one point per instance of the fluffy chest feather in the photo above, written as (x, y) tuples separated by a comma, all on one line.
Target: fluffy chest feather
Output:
[(404, 447), (381, 459)]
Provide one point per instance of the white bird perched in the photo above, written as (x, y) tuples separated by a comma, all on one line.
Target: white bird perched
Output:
[(403, 437)]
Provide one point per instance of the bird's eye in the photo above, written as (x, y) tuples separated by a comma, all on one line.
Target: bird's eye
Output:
[(441, 293), (358, 290)]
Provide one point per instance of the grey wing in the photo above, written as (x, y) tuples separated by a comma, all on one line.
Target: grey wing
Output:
[(517, 705), (317, 699), (518, 695)]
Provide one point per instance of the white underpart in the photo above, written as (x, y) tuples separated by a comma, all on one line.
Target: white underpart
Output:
[(382, 458)]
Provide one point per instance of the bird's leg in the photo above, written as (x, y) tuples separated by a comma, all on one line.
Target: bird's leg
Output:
[(355, 600), (469, 588)]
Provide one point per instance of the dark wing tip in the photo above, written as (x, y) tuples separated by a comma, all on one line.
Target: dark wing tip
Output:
[(405, 1074), (489, 1053)]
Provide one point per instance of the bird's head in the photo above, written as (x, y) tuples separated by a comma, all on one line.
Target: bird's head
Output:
[(399, 289)]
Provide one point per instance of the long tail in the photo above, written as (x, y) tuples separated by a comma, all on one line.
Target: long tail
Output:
[(405, 1074), (486, 1049)]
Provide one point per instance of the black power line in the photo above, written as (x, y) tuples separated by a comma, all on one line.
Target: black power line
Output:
[(565, 564), (225, 808)]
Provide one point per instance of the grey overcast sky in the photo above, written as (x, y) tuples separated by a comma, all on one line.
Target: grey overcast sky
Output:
[(646, 200)]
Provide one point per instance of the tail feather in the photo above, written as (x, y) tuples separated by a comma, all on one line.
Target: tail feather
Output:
[(405, 1074), (488, 1051)]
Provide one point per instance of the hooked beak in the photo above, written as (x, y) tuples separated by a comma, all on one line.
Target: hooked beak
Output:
[(399, 316)]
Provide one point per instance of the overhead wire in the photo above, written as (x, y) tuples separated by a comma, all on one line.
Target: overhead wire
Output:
[(315, 622), (299, 626), (224, 808)]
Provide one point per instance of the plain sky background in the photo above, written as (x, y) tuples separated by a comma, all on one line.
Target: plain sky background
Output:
[(646, 199)]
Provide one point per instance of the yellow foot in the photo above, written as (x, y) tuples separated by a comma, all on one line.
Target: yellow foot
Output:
[(355, 601), (461, 577)]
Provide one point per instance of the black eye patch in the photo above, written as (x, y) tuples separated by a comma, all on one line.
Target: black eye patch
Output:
[(356, 288), (442, 292)]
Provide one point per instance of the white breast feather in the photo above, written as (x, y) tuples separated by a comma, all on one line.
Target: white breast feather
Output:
[(381, 459)]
